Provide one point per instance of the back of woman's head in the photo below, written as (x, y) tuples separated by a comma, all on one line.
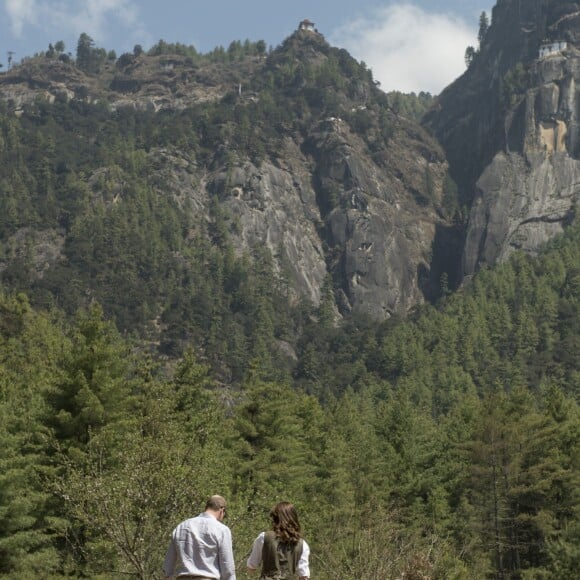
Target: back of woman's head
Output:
[(285, 522)]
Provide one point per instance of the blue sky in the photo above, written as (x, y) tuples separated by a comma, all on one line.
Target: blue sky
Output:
[(411, 45)]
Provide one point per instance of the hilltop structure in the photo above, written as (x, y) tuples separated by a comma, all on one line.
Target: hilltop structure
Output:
[(307, 25)]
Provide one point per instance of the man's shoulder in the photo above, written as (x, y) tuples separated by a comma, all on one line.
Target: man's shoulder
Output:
[(188, 522), (223, 527), (214, 523)]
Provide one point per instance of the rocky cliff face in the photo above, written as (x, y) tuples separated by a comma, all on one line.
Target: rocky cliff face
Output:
[(509, 127), (348, 191), (322, 208)]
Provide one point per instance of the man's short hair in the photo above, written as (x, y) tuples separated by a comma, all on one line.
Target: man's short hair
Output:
[(215, 503)]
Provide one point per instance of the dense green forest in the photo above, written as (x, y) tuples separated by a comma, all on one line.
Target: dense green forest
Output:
[(443, 446), (151, 365)]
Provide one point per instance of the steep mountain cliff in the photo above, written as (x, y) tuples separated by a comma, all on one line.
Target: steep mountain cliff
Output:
[(294, 154), (510, 129), (298, 149)]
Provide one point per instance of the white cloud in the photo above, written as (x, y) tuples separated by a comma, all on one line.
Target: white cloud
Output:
[(21, 13), (95, 15), (407, 48), (71, 17)]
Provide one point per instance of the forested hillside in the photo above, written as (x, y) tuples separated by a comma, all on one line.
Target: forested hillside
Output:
[(135, 177), (237, 273), (443, 446)]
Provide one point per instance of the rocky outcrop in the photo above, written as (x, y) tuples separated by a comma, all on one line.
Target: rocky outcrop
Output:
[(379, 221), (323, 207), (510, 129), (274, 207), (529, 192), (521, 204), (143, 83)]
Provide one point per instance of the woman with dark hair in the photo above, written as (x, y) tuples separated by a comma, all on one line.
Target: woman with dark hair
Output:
[(282, 552)]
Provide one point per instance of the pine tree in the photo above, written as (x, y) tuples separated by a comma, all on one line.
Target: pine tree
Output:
[(95, 389), (138, 478), (274, 442), (524, 481), (30, 527)]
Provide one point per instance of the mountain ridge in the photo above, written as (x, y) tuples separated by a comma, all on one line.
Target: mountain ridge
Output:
[(298, 152), (299, 147)]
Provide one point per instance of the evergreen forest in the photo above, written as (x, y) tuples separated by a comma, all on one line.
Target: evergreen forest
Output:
[(153, 366)]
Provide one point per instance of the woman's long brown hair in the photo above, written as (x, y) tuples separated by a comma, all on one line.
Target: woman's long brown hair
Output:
[(285, 522)]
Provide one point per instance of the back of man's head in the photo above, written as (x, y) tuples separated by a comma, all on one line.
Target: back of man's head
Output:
[(215, 503)]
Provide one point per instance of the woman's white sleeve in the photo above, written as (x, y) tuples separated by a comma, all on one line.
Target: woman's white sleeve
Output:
[(303, 567), (255, 559)]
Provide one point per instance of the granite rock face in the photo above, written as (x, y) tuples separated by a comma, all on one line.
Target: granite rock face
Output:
[(323, 208), (522, 203), (530, 191), (510, 129), (381, 228)]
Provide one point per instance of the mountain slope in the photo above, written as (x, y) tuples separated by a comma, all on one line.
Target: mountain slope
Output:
[(295, 152)]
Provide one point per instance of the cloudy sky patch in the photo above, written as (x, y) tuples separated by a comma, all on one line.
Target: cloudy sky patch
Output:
[(72, 17), (20, 14), (409, 49)]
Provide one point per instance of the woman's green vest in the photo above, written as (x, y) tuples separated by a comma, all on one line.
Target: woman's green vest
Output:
[(279, 560)]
